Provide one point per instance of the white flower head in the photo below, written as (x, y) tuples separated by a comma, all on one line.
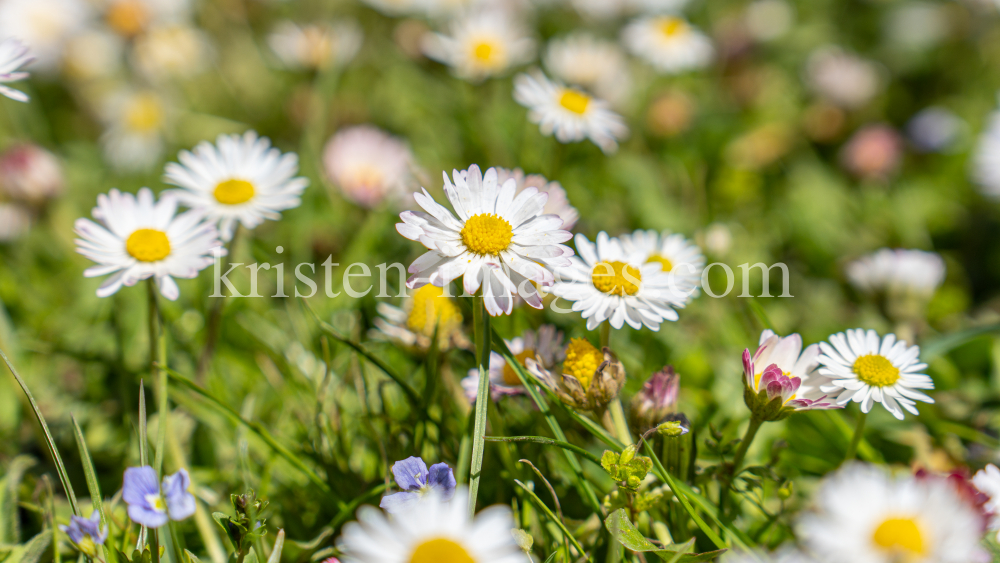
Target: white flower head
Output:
[(136, 123), (986, 159), (557, 204), (898, 271), (669, 43), (430, 530), (316, 46), (481, 44), (796, 379), (140, 238), (987, 481), (570, 114), (13, 56), (241, 178), (596, 65), (171, 51), (676, 255), (369, 165), (866, 369), (131, 18), (866, 515), (842, 78), (606, 283), (94, 54), (15, 220), (44, 26), (424, 311), (499, 242), (545, 346)]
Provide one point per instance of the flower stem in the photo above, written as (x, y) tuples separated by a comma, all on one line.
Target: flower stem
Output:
[(214, 323), (605, 334), (859, 432), (481, 319), (618, 417), (737, 464), (158, 359)]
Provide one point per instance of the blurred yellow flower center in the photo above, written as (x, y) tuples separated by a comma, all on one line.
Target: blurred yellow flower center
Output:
[(440, 550), (88, 546), (582, 360), (127, 17), (876, 370), (317, 47), (156, 503), (487, 233), (366, 176), (148, 245), (671, 26), (616, 278), (144, 114), (575, 101), (483, 51), (901, 535), (665, 264), (233, 191), (509, 375), (431, 309)]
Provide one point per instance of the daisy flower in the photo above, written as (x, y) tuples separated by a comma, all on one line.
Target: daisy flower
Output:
[(987, 481), (606, 283), (13, 56), (240, 178), (557, 204), (781, 368), (316, 46), (431, 531), (656, 399), (426, 309), (986, 159), (669, 43), (171, 51), (593, 64), (865, 369), (135, 124), (139, 238), (569, 113), (866, 515), (545, 346), (369, 165), (93, 54), (676, 255), (499, 241), (898, 271), (481, 44), (45, 26), (30, 174)]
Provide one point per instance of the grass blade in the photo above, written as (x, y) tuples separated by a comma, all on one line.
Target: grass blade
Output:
[(92, 484), (546, 441), (483, 349), (279, 544), (544, 508), (949, 342)]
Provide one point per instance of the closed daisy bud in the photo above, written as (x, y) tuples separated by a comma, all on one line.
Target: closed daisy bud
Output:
[(657, 399), (30, 174)]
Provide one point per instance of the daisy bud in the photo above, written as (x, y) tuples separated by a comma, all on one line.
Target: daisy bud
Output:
[(30, 174), (657, 399)]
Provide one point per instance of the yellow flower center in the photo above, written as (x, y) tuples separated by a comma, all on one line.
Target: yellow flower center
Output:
[(318, 47), (156, 502), (575, 101), (431, 308), (900, 535), (483, 51), (233, 191), (616, 278), (144, 113), (366, 176), (672, 27), (582, 360), (148, 245), (440, 550), (88, 546), (665, 264), (487, 233), (509, 375), (127, 17), (876, 370)]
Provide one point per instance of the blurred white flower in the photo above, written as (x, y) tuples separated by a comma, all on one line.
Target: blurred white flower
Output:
[(369, 165), (767, 20), (15, 219), (44, 26), (129, 18), (917, 25), (593, 64), (717, 239), (842, 78), (987, 480), (571, 114), (481, 44), (30, 174), (13, 56), (171, 51), (316, 46), (135, 123), (898, 271), (557, 204), (935, 129), (424, 311), (669, 43), (546, 345), (94, 53), (986, 160)]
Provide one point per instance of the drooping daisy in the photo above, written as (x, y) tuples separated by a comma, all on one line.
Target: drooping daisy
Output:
[(44, 26), (13, 56), (431, 531), (587, 380), (898, 271), (557, 204), (500, 242), (569, 113), (676, 255), (481, 44), (369, 165), (987, 481), (545, 346), (864, 514), (842, 78), (986, 160), (866, 369), (136, 122), (605, 283), (316, 46), (426, 309), (593, 64), (139, 238), (669, 43), (240, 178), (781, 368)]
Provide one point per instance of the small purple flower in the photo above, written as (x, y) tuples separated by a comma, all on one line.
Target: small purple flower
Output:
[(85, 533), (415, 481), (152, 506)]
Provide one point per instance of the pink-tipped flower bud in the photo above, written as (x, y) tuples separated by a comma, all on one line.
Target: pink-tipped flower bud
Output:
[(657, 399)]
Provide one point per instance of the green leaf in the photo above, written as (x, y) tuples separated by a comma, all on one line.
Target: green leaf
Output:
[(191, 558), (279, 543), (622, 529), (92, 485), (546, 441), (31, 551), (609, 461), (10, 522)]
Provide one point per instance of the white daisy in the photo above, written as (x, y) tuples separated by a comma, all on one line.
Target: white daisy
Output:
[(240, 178), (669, 43), (431, 531), (139, 238), (676, 255), (842, 78), (866, 369), (986, 160), (44, 26), (93, 54), (171, 51), (987, 480), (481, 44), (571, 114), (593, 64), (866, 515), (425, 310), (607, 283), (898, 271), (557, 204), (13, 56), (135, 125), (369, 165), (545, 346), (316, 46), (130, 18), (499, 241)]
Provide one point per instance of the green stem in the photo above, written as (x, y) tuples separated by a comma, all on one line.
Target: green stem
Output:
[(214, 324), (737, 464), (605, 334), (618, 417), (481, 319), (859, 433), (158, 355)]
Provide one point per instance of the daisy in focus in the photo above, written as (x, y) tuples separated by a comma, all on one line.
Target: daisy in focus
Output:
[(481, 44), (570, 114), (866, 369), (13, 56), (241, 178), (545, 346), (669, 43), (316, 46), (431, 530), (139, 238), (593, 64), (987, 481), (557, 204), (781, 368), (425, 310), (606, 283), (369, 165), (676, 255), (898, 271), (136, 124), (864, 514), (499, 242)]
